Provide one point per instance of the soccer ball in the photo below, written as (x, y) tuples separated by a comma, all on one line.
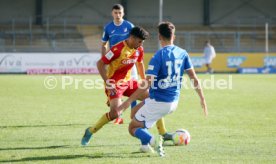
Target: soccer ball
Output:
[(181, 137)]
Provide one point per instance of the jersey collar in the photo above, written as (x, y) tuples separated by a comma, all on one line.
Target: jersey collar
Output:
[(171, 45), (118, 24)]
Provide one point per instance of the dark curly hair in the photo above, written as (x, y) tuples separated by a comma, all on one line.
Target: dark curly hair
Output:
[(139, 32)]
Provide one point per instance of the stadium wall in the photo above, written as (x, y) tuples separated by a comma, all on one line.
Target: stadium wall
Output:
[(179, 12), (16, 9), (140, 12)]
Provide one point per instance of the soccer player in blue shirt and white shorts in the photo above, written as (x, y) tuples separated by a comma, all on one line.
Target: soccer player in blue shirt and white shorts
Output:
[(164, 77)]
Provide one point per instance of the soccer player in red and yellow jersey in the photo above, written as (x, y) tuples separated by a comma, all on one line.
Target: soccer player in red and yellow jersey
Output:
[(120, 60), (117, 76)]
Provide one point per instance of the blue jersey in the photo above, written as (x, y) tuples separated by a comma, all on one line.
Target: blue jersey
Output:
[(114, 34), (168, 65)]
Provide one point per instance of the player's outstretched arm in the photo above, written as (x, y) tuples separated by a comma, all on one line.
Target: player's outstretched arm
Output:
[(104, 48), (141, 69), (102, 71), (146, 83), (197, 86)]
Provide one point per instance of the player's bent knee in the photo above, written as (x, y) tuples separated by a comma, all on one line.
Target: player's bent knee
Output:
[(131, 130), (132, 114), (143, 96), (113, 115)]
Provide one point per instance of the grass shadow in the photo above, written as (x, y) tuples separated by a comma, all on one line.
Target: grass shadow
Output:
[(39, 126), (35, 148), (70, 157)]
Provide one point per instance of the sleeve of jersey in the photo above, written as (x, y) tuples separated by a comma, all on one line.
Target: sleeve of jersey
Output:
[(105, 36), (141, 54), (110, 56), (154, 66), (131, 25), (188, 63)]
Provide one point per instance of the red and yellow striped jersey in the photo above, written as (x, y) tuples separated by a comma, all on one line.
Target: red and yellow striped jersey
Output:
[(120, 59)]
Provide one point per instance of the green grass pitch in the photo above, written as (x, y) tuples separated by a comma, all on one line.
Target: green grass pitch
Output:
[(38, 125)]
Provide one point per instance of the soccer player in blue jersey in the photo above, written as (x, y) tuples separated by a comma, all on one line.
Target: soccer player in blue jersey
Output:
[(116, 30), (164, 77)]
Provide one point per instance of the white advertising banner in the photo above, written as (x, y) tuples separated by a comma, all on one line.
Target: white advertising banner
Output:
[(49, 63)]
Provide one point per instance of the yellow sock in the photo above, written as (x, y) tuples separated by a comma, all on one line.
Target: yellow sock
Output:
[(101, 122), (160, 124)]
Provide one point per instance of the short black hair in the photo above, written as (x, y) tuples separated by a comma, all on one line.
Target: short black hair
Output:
[(166, 29), (117, 7), (139, 32)]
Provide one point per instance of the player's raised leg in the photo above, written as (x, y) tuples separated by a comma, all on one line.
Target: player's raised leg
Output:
[(160, 124), (138, 130), (111, 115)]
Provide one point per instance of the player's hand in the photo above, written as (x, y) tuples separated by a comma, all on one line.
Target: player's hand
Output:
[(110, 86), (112, 91), (204, 107)]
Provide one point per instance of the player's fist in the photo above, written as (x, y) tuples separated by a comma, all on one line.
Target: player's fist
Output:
[(204, 106)]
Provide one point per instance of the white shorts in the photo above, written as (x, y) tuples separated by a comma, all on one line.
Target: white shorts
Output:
[(153, 110), (134, 74), (208, 60)]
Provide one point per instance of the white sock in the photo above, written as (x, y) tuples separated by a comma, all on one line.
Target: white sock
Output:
[(152, 141)]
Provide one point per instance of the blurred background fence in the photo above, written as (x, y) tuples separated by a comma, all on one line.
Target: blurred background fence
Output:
[(77, 25), (42, 36), (66, 37)]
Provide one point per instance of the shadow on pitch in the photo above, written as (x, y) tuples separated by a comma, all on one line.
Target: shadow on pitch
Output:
[(44, 158), (35, 148), (62, 146), (38, 126), (70, 157)]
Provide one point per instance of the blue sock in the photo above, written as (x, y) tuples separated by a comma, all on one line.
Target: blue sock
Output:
[(133, 104), (144, 135)]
